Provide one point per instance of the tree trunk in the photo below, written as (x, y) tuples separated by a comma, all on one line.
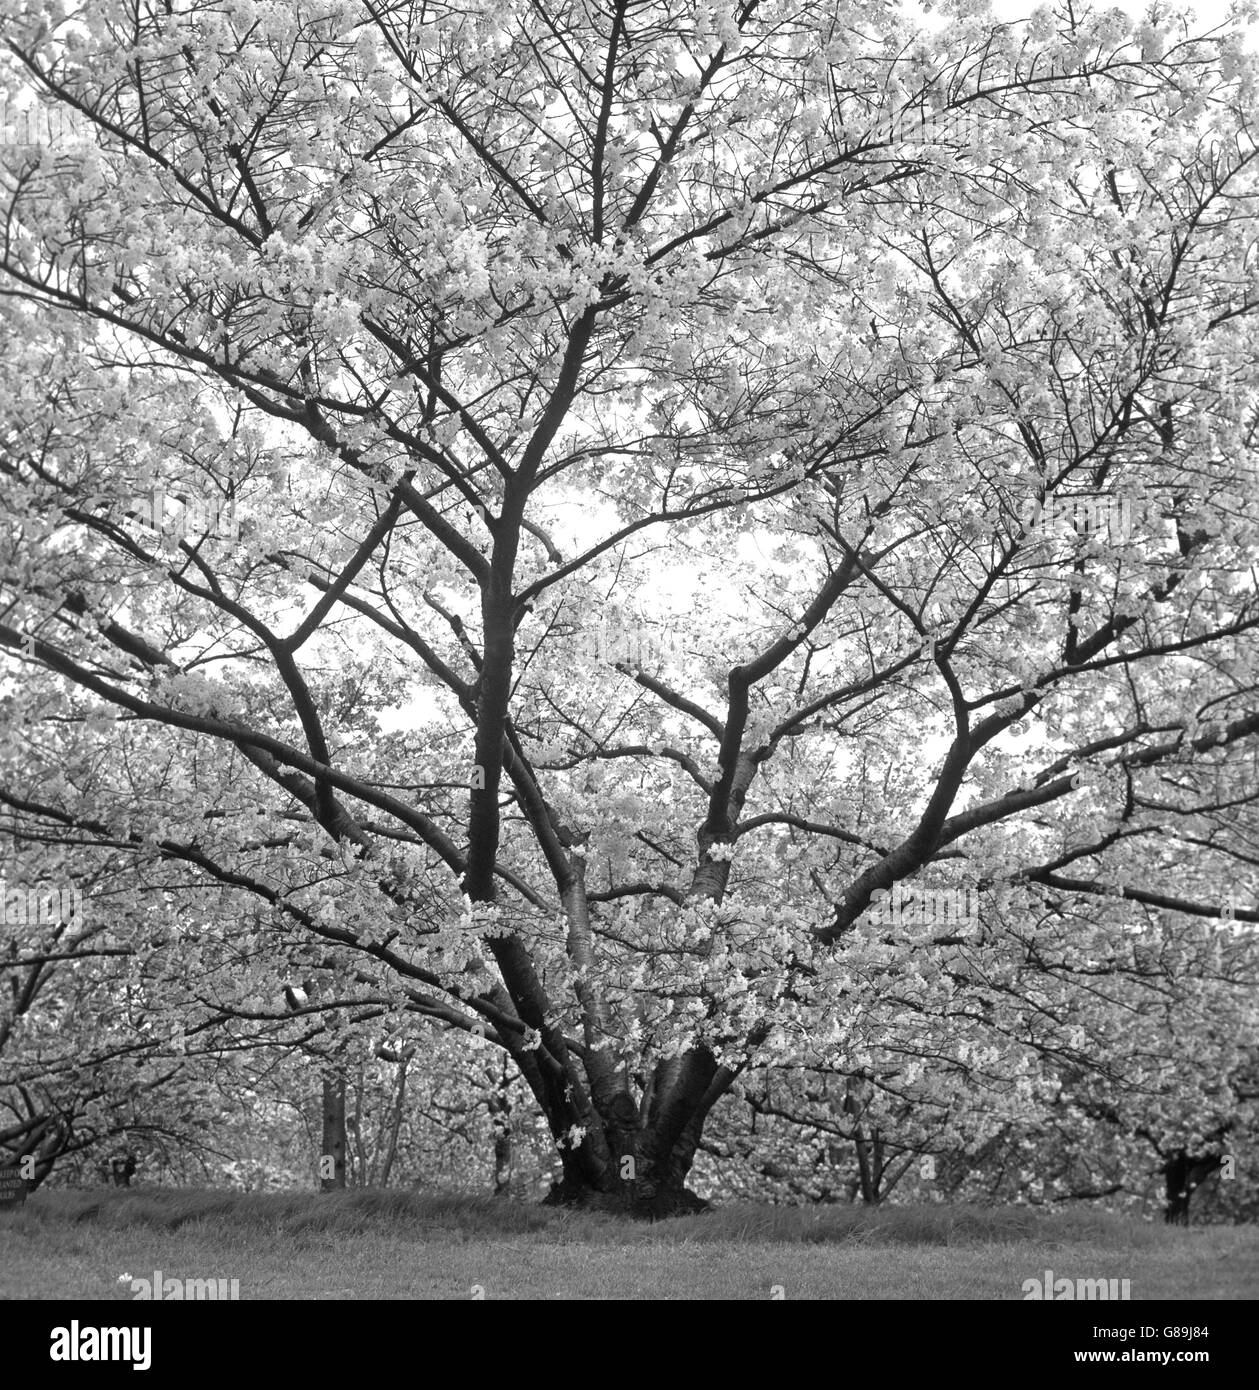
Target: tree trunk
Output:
[(354, 1125), (665, 1197), (644, 1159), (499, 1107), (650, 1158), (616, 1154), (858, 1093), (396, 1126), (1183, 1174), (333, 1132), (867, 1167), (122, 1167)]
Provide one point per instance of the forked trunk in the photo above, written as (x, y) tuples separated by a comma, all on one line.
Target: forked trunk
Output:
[(649, 1157)]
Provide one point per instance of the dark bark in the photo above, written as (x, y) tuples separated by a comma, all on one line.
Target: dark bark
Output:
[(122, 1167), (1183, 1174), (396, 1125), (502, 1163), (658, 1203), (868, 1168), (858, 1093), (333, 1131), (651, 1156), (499, 1106)]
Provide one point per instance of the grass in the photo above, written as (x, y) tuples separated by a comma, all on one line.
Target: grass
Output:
[(372, 1244)]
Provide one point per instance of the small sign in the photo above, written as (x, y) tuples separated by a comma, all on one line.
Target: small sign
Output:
[(12, 1187)]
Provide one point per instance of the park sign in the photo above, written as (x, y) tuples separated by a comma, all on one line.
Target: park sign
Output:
[(12, 1187)]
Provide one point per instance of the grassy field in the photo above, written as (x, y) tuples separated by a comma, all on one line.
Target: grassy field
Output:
[(366, 1244)]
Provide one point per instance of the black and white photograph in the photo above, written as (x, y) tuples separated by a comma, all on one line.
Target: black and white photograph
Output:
[(629, 666)]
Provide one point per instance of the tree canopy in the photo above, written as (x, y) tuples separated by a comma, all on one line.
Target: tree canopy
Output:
[(689, 543)]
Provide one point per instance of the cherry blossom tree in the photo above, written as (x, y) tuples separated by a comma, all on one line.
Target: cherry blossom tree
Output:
[(570, 516), (1029, 1069)]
